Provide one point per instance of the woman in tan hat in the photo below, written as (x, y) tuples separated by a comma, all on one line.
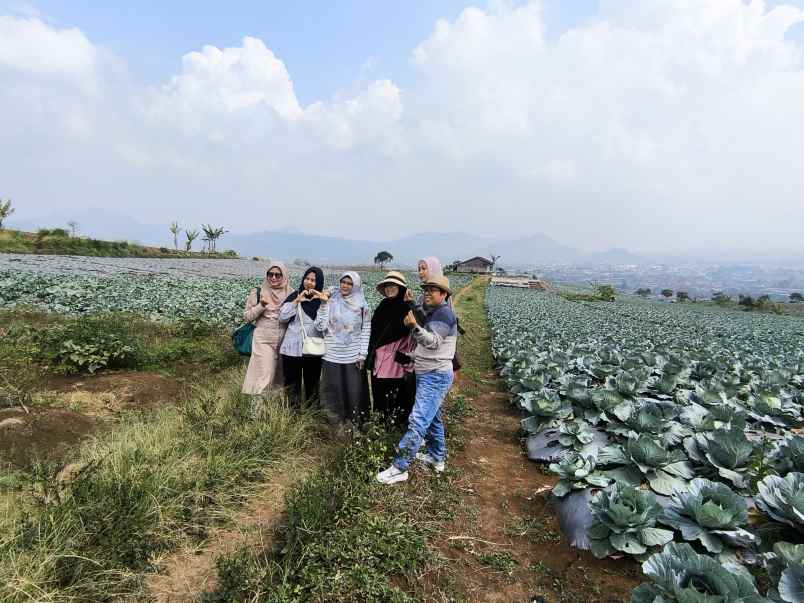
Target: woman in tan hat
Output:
[(389, 348)]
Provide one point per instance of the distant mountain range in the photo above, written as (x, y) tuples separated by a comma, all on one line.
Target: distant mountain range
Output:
[(291, 244)]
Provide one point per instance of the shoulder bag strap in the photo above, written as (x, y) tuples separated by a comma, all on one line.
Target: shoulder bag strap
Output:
[(299, 311), (259, 292)]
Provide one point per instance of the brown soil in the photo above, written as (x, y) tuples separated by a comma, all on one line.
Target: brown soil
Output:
[(77, 407), (187, 574), (43, 433), (504, 543), (110, 392)]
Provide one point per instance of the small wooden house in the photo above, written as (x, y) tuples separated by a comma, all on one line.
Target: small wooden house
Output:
[(475, 265)]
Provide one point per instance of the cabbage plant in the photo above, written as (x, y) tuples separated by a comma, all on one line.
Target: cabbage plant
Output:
[(782, 499), (788, 455), (711, 513), (665, 470), (727, 450), (545, 406), (681, 575), (624, 520), (577, 472), (786, 568)]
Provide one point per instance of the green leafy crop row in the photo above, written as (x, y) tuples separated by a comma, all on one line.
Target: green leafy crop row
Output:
[(669, 421)]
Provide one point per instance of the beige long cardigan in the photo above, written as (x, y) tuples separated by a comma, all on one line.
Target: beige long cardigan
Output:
[(264, 369)]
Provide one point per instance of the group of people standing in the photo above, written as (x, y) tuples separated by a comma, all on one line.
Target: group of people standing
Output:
[(407, 347)]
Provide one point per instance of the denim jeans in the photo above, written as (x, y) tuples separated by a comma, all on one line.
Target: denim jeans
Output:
[(425, 421)]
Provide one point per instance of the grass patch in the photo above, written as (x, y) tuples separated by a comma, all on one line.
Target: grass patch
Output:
[(605, 293), (135, 494), (502, 562), (344, 539)]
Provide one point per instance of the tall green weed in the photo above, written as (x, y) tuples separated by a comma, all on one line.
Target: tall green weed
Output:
[(139, 492)]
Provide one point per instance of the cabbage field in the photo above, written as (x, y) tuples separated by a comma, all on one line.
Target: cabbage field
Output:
[(161, 289), (675, 431)]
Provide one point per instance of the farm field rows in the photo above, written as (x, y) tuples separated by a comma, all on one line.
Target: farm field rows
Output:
[(214, 290), (674, 431)]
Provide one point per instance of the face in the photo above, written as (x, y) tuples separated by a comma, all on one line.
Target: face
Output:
[(309, 281), (391, 290), (346, 285), (274, 276), (433, 296), (424, 272)]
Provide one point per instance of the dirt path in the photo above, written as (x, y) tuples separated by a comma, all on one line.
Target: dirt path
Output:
[(189, 573), (504, 543)]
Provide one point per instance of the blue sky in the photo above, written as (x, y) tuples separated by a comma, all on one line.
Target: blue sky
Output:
[(325, 45), (650, 116)]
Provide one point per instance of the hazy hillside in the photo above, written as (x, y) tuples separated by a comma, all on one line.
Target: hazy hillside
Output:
[(291, 244)]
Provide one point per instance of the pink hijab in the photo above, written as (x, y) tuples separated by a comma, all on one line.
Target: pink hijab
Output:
[(434, 267)]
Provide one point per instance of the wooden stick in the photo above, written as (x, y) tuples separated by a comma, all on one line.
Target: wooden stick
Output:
[(477, 539)]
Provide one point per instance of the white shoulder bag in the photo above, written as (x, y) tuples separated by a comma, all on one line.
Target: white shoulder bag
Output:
[(311, 346)]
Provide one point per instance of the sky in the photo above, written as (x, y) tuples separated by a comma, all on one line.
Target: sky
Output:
[(661, 126)]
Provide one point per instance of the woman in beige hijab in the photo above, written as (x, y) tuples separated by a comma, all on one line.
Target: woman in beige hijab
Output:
[(263, 368)]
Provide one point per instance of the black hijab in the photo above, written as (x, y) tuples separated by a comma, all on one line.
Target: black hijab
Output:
[(310, 307), (386, 323)]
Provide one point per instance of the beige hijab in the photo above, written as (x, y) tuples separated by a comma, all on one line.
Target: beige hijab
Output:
[(276, 293)]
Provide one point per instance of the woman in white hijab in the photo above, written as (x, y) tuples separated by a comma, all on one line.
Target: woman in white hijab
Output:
[(345, 319), (263, 368)]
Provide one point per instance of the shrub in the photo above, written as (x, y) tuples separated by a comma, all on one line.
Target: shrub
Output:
[(721, 298), (52, 232), (86, 344), (606, 293), (195, 326), (90, 357)]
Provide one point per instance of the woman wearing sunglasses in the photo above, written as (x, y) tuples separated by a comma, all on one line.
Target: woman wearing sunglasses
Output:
[(263, 367)]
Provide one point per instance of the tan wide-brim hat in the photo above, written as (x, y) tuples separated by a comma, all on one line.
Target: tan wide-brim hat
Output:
[(442, 282), (392, 278)]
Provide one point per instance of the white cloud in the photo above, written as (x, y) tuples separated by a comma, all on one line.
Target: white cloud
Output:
[(657, 125), (217, 82), (32, 49)]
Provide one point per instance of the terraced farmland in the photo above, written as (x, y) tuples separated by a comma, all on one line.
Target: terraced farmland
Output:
[(674, 430)]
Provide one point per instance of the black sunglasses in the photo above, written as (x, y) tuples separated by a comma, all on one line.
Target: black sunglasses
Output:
[(274, 275)]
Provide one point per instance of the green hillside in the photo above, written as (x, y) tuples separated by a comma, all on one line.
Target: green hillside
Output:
[(57, 241)]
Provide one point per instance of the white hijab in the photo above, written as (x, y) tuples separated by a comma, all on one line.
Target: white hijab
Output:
[(346, 311)]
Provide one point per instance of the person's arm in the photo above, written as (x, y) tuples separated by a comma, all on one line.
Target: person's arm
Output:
[(287, 311), (253, 310), (418, 311), (430, 336), (365, 334), (322, 318)]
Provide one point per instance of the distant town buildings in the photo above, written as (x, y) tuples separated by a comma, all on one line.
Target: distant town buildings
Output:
[(699, 281)]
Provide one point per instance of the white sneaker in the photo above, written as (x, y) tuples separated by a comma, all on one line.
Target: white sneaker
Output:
[(392, 475), (424, 457)]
